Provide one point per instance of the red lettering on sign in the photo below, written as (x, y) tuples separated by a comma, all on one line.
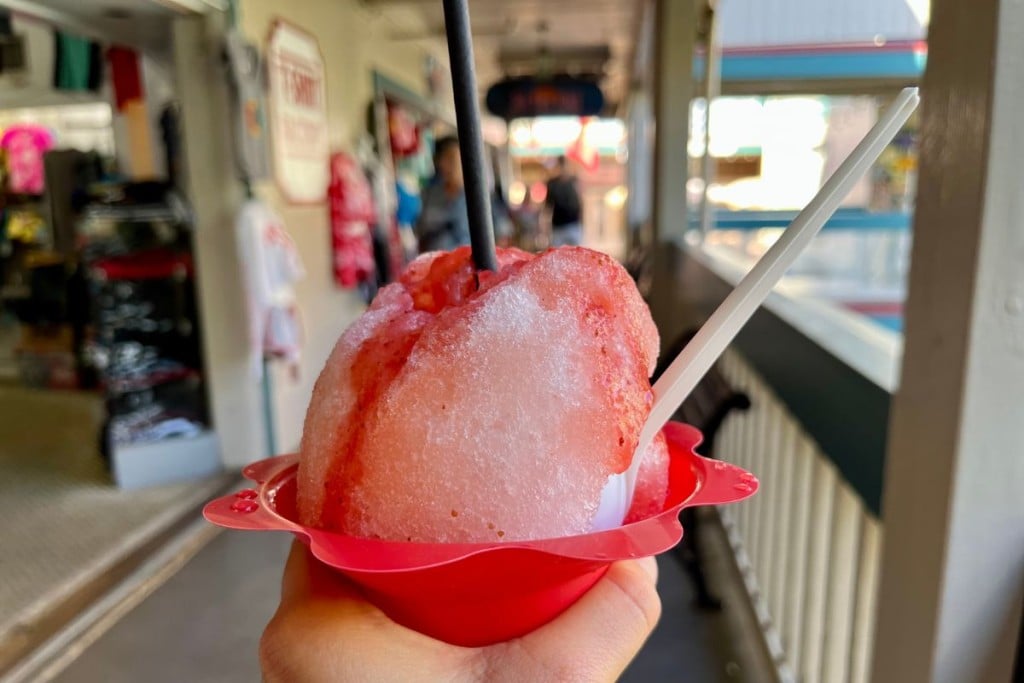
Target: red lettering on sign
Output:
[(302, 84)]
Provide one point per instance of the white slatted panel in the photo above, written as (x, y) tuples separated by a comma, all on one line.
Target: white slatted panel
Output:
[(728, 449), (867, 600), (823, 489), (784, 512), (742, 380), (776, 489), (748, 422), (807, 548), (761, 461), (842, 585), (750, 438), (793, 626)]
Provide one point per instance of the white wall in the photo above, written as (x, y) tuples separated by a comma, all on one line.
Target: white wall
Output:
[(236, 405)]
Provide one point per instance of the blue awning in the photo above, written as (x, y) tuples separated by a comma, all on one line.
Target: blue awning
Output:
[(796, 65), (843, 219)]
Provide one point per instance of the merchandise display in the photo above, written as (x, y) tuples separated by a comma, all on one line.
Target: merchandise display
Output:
[(144, 342)]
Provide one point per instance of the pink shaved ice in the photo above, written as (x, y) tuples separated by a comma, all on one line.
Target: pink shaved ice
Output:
[(466, 408)]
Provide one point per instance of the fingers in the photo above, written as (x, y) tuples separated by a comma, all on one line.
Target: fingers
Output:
[(295, 581), (306, 577), (325, 630), (310, 632), (598, 636), (323, 612)]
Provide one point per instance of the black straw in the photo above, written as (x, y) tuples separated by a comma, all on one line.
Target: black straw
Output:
[(471, 141)]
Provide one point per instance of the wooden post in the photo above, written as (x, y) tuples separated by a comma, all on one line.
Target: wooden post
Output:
[(712, 89), (952, 574), (675, 36), (213, 189)]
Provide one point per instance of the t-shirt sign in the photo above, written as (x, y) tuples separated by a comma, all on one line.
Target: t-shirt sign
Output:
[(298, 111)]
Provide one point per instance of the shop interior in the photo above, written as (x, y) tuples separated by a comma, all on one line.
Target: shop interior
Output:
[(595, 149), (100, 317), (99, 329)]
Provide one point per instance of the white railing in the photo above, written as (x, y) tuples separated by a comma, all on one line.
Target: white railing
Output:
[(807, 547)]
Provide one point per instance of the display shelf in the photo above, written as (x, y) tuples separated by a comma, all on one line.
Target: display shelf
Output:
[(145, 345)]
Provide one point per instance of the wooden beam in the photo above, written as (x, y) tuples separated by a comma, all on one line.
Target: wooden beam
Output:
[(215, 194), (675, 36), (953, 562)]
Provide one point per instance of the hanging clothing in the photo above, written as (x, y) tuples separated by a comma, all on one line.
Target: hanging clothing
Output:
[(77, 63), (272, 266), (25, 145), (352, 212), (126, 74), (170, 135), (250, 125), (25, 226), (69, 173), (387, 243), (409, 204)]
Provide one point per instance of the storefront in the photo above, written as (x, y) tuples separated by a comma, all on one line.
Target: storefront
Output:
[(105, 432), (133, 350), (97, 258)]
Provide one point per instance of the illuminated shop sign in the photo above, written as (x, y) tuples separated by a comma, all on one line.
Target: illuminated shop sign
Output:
[(528, 97)]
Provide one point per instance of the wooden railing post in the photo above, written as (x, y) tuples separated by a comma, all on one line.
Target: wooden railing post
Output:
[(952, 573)]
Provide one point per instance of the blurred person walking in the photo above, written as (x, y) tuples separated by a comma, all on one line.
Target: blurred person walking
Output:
[(443, 222), (563, 203)]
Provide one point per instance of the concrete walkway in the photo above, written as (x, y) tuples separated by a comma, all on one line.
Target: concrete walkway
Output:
[(65, 526), (204, 625)]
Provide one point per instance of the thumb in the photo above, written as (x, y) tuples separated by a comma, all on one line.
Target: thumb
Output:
[(595, 639)]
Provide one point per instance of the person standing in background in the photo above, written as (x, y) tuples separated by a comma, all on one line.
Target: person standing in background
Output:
[(563, 203), (444, 223)]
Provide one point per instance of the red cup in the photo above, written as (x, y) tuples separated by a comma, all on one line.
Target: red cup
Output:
[(475, 594)]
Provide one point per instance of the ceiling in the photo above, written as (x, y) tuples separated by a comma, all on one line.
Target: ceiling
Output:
[(139, 23), (510, 37), (515, 37)]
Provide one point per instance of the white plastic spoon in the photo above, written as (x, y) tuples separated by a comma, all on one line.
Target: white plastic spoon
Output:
[(690, 366)]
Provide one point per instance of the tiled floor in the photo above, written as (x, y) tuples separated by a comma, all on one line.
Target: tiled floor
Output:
[(62, 519), (204, 625)]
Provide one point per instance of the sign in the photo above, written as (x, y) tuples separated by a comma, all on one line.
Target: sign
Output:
[(298, 111), (560, 96)]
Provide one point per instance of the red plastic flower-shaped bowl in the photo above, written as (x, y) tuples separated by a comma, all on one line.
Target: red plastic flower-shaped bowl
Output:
[(483, 593)]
